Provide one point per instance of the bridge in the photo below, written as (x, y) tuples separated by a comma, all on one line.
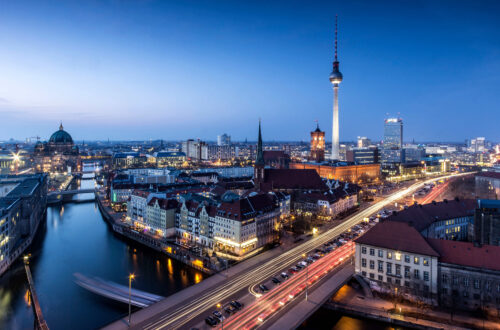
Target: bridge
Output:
[(188, 308), (116, 291), (39, 319), (71, 192)]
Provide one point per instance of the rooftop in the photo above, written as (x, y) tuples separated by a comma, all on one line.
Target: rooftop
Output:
[(466, 254), (397, 236)]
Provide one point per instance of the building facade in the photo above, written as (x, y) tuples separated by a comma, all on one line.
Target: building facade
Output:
[(317, 153)]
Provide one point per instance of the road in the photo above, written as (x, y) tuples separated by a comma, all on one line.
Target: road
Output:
[(193, 309)]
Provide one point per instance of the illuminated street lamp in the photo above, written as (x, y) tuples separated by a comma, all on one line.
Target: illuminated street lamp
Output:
[(307, 277), (130, 278), (219, 306)]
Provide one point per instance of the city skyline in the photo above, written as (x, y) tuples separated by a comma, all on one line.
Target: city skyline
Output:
[(132, 71)]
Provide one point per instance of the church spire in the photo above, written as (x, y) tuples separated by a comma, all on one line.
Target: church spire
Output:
[(260, 153), (61, 126)]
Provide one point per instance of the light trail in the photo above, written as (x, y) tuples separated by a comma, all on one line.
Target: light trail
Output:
[(186, 312), (278, 297)]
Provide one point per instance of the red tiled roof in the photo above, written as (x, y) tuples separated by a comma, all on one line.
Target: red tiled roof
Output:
[(248, 207), (140, 193), (494, 175), (165, 204), (422, 216), (274, 155), (466, 254), (293, 179), (397, 236)]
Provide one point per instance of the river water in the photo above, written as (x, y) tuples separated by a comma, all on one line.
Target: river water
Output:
[(75, 238)]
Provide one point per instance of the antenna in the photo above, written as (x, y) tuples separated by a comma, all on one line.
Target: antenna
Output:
[(336, 29)]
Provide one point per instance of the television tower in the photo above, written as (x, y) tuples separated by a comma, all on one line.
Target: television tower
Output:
[(335, 79)]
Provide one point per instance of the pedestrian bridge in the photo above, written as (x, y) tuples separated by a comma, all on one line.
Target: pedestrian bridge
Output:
[(71, 192), (116, 291)]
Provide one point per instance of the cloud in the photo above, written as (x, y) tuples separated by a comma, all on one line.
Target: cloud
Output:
[(4, 100)]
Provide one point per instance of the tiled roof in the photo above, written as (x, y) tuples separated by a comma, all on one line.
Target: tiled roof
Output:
[(165, 204), (397, 236), (293, 179), (466, 254), (270, 155), (247, 208), (422, 216)]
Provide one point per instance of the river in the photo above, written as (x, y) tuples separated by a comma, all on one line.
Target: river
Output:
[(75, 238)]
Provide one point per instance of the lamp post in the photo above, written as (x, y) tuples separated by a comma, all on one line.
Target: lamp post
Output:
[(130, 278), (219, 306), (307, 277)]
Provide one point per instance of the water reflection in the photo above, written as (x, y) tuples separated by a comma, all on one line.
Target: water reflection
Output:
[(73, 239)]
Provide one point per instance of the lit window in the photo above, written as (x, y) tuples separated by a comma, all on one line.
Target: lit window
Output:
[(398, 256)]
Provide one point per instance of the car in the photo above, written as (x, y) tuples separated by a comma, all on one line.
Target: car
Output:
[(303, 263), (230, 310), (263, 288), (211, 321), (299, 266), (292, 270), (275, 280), (236, 304), (284, 275), (218, 315)]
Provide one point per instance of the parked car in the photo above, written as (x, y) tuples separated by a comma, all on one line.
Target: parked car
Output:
[(263, 288), (236, 304), (275, 280), (284, 275), (218, 315), (211, 321)]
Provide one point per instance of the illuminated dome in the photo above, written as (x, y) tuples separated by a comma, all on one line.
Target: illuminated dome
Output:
[(61, 136)]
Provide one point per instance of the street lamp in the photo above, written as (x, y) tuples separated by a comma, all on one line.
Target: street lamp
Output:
[(219, 306), (130, 278), (307, 277)]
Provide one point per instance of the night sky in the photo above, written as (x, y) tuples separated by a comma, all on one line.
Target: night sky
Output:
[(189, 69)]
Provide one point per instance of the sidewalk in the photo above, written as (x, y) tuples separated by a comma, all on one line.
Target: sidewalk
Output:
[(350, 301)]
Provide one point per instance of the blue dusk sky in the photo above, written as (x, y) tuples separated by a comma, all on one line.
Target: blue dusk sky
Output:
[(195, 69)]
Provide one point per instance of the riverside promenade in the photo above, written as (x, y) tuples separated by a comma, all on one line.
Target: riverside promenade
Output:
[(174, 251), (352, 302)]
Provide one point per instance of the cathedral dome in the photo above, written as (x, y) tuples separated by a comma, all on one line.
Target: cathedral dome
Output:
[(61, 136)]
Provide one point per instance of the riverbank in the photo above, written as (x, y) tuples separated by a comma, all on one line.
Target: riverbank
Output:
[(350, 301), (174, 251)]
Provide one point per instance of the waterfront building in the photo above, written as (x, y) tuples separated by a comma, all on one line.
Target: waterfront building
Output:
[(468, 276), (317, 153), (395, 259), (160, 216), (487, 222), (22, 207), (59, 154), (195, 221), (170, 159)]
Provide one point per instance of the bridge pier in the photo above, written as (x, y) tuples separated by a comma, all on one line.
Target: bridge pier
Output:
[(40, 322)]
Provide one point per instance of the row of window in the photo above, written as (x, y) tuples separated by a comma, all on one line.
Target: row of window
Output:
[(396, 255), (466, 281), (397, 268), (397, 281)]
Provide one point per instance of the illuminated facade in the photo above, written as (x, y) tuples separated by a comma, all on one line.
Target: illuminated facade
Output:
[(317, 145), (59, 154), (348, 173)]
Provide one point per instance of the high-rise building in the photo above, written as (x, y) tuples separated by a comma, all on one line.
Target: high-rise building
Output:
[(393, 141), (317, 145), (223, 140), (363, 142), (195, 149), (335, 78), (478, 145)]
